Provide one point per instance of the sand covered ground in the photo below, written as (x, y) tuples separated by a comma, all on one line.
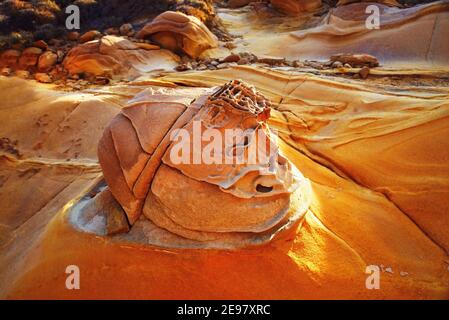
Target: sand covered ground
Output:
[(375, 151)]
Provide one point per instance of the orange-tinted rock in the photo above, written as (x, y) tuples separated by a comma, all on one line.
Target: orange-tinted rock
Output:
[(73, 36), (42, 77), (47, 60), (23, 74), (147, 46), (261, 196), (10, 58), (331, 136), (116, 57), (356, 60), (176, 31), (6, 71), (89, 36), (41, 44), (294, 7), (29, 57)]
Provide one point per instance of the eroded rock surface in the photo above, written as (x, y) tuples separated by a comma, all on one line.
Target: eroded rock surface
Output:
[(179, 32), (117, 57), (226, 201)]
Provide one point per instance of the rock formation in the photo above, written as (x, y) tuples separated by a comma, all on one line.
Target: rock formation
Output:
[(114, 57), (179, 32), (228, 203), (295, 7)]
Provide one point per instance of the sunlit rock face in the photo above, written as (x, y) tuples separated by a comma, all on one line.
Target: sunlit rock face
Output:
[(226, 203), (295, 7), (117, 57), (176, 31), (413, 34)]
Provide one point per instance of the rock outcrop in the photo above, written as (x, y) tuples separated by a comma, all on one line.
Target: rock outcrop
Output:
[(117, 57), (178, 32), (231, 202)]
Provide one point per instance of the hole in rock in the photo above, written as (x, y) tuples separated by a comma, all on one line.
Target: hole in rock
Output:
[(263, 189)]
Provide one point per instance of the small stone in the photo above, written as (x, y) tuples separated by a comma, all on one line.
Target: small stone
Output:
[(364, 72), (112, 31), (41, 44), (29, 57), (126, 29), (337, 65), (23, 74), (226, 65), (201, 67), (6, 71), (73, 36), (90, 35), (215, 63), (356, 60), (231, 58), (10, 58), (56, 42), (271, 61), (60, 55), (101, 80), (347, 66), (243, 61), (298, 64), (47, 60), (314, 65), (43, 77), (183, 67)]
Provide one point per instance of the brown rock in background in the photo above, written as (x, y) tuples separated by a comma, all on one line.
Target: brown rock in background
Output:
[(90, 35), (47, 60), (176, 31), (29, 57), (10, 58), (356, 60)]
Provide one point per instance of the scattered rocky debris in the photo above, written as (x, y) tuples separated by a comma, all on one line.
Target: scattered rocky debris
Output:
[(42, 77), (10, 146), (364, 72), (356, 60)]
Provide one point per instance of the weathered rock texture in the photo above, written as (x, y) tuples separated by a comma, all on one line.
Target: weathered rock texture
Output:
[(227, 203), (117, 57), (379, 184), (295, 7), (415, 34), (179, 32)]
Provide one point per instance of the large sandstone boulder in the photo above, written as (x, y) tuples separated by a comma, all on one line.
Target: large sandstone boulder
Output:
[(179, 32), (228, 203), (117, 57)]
